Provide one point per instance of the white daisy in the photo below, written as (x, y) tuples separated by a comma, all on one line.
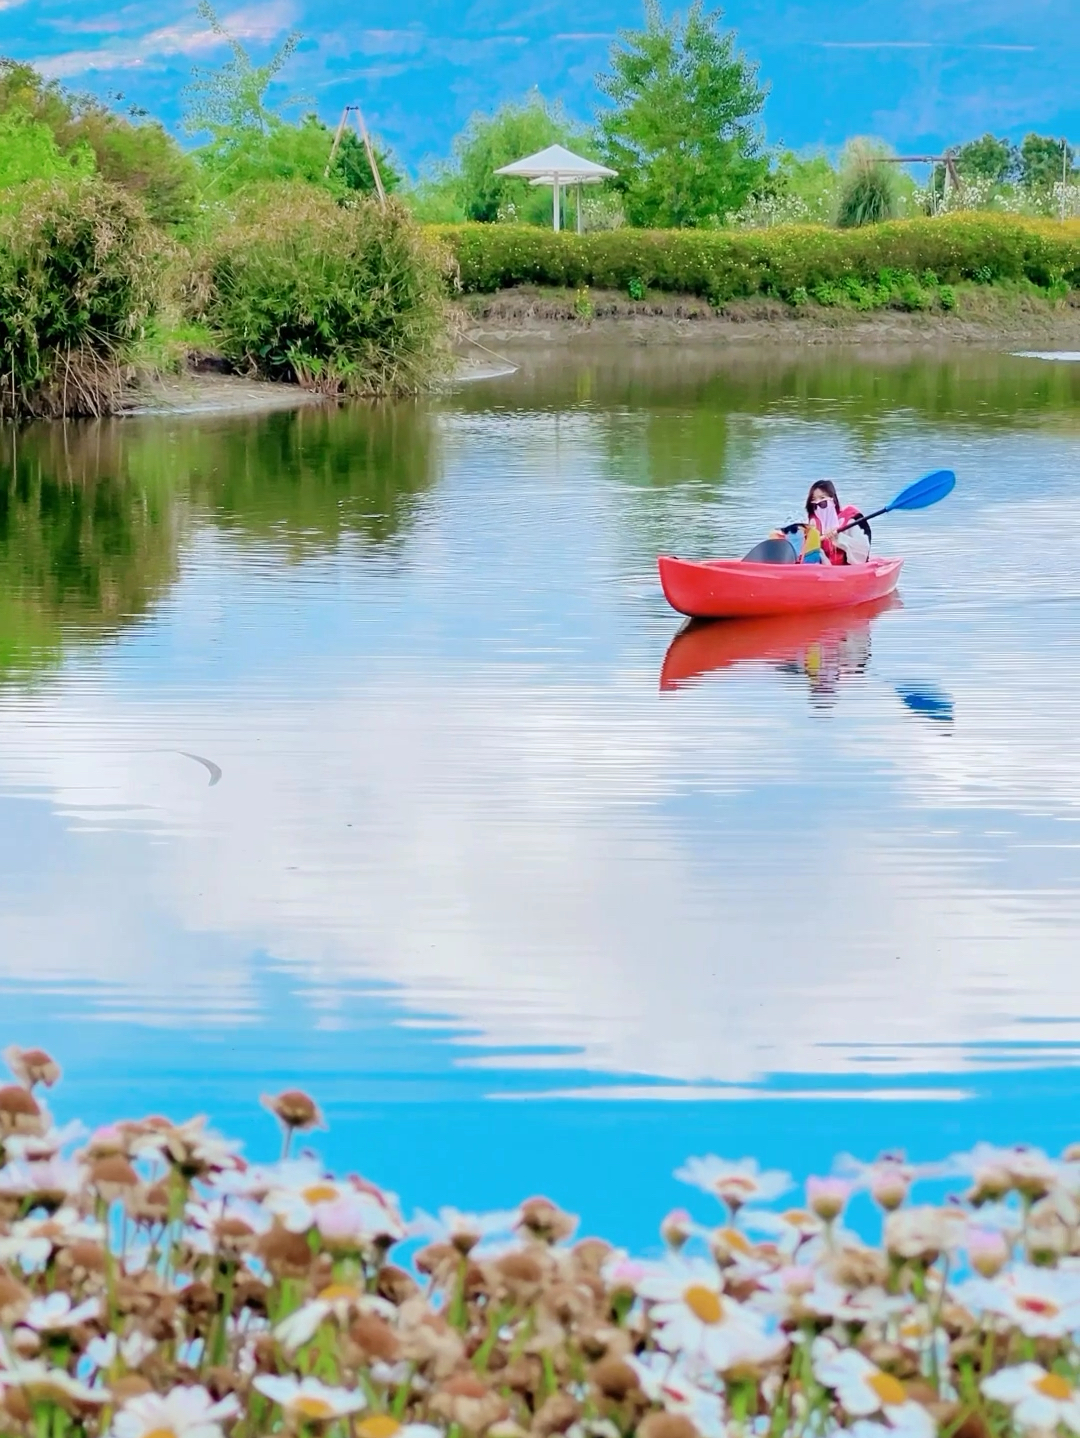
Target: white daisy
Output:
[(906, 1422), (356, 1222), (888, 1179), (31, 1241), (339, 1300), (25, 1178), (55, 1313), (381, 1425), (735, 1184), (183, 1413), (694, 1317), (308, 1399), (665, 1380), (863, 1389), (102, 1353), (996, 1171), (922, 1233), (1038, 1399), (31, 1147), (49, 1385), (868, 1305), (464, 1230), (1040, 1302)]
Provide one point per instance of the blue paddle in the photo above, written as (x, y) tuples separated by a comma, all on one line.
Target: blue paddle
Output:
[(920, 495)]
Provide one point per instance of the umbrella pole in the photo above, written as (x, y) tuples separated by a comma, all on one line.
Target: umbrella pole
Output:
[(556, 218), (580, 225)]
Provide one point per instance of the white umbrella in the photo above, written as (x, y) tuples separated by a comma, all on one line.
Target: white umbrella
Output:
[(557, 166)]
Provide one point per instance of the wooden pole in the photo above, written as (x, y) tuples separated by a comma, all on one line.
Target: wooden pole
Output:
[(365, 140), (1064, 175), (337, 142), (370, 149)]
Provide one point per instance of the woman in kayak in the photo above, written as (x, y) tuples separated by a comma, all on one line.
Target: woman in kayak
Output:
[(825, 514)]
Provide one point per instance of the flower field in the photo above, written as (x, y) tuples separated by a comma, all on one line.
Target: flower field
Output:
[(155, 1284)]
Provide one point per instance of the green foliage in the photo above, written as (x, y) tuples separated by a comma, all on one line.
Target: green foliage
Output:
[(491, 141), (870, 188), (680, 131), (79, 272), (343, 300), (24, 90), (812, 179), (436, 199), (1042, 161), (233, 97), (28, 151), (140, 157), (790, 263), (237, 160), (988, 158)]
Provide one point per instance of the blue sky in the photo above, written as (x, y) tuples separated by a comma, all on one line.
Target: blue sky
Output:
[(923, 74)]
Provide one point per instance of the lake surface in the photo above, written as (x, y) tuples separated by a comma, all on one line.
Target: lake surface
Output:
[(352, 749)]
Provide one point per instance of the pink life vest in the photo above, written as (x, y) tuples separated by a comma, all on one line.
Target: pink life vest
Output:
[(833, 552)]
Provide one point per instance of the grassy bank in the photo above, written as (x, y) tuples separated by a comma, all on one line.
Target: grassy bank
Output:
[(349, 298), (154, 1283), (289, 284), (909, 264)]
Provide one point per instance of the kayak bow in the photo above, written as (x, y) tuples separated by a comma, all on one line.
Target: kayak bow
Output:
[(732, 588)]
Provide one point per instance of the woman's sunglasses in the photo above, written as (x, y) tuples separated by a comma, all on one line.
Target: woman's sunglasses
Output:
[(820, 504)]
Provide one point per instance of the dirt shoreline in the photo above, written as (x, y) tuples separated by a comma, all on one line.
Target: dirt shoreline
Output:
[(197, 393), (496, 334), (536, 318)]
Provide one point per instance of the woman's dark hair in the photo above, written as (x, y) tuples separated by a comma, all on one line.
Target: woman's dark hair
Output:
[(827, 487)]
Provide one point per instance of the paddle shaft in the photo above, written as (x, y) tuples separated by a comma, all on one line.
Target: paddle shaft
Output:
[(863, 518)]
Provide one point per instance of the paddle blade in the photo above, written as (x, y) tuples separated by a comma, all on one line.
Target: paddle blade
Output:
[(925, 492)]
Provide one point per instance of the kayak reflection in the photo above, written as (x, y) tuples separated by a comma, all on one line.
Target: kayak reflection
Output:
[(826, 647)]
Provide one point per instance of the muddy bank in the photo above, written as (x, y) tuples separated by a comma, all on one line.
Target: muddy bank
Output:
[(536, 318)]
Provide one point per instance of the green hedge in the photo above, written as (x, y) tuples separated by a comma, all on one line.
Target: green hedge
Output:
[(789, 262)]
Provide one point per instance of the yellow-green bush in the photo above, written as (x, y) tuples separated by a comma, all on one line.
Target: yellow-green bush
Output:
[(79, 272), (788, 262), (342, 299)]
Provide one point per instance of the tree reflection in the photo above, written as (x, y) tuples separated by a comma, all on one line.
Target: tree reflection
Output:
[(92, 516)]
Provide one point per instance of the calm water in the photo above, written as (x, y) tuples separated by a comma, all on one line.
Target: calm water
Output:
[(348, 749)]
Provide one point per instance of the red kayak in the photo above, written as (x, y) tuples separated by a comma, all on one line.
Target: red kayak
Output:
[(734, 589)]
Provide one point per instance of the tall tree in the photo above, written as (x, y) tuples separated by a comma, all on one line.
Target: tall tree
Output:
[(681, 129), (490, 141), (988, 159), (1042, 160)]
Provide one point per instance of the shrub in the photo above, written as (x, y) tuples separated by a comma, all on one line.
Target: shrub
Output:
[(78, 280), (345, 300), (28, 151), (868, 196), (783, 262)]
